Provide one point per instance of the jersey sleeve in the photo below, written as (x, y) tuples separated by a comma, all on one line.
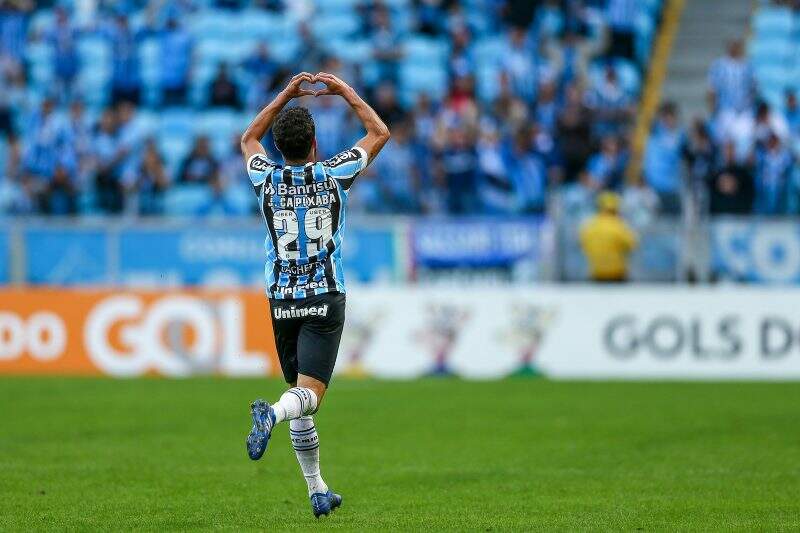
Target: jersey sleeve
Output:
[(345, 166), (259, 167)]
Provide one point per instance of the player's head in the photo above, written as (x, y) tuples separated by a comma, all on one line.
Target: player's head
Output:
[(608, 202), (294, 134)]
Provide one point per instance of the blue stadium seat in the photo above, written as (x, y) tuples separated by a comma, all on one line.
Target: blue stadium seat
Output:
[(425, 50), (336, 5), (352, 51), (177, 121), (331, 27), (415, 78), (40, 21), (489, 51), (240, 197), (258, 24), (185, 200), (773, 21), (487, 83)]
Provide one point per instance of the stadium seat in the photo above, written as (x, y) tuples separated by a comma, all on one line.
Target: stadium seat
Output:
[(425, 50), (352, 51), (342, 25), (773, 21), (185, 200), (489, 51), (415, 78)]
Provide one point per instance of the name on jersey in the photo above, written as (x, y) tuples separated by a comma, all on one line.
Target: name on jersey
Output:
[(299, 270), (294, 312), (311, 195)]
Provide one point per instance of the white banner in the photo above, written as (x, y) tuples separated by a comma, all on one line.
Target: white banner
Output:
[(726, 332)]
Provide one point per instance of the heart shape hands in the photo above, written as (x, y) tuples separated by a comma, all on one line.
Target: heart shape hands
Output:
[(333, 85)]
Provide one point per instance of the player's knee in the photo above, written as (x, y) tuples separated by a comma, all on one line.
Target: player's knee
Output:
[(315, 385)]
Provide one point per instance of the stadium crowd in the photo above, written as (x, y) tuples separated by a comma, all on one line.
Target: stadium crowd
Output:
[(493, 104)]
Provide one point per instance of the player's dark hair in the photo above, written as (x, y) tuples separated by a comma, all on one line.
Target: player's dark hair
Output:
[(294, 133)]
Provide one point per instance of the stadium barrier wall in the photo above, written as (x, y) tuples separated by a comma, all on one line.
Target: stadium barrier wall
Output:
[(575, 332)]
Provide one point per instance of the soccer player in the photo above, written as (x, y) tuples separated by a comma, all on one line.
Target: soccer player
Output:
[(303, 203)]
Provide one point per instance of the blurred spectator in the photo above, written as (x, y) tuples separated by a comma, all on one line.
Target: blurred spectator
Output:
[(200, 165), (146, 180), (662, 159), (607, 241), (218, 203), (310, 53), (606, 168), (791, 112), (570, 55), (462, 60), (773, 178), (385, 44), (126, 81), (732, 187), (528, 174), (639, 203), (573, 133), (62, 38), (611, 106), (386, 104), (458, 160), (621, 16), (7, 127), (107, 156), (14, 16), (731, 81), (223, 91), (260, 65), (176, 61), (430, 16), (496, 188), (521, 64), (59, 196), (701, 157), (331, 120), (397, 173), (546, 108)]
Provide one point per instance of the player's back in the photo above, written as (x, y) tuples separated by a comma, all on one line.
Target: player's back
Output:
[(304, 210)]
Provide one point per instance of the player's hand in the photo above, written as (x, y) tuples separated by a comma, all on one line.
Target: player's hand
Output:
[(333, 85), (293, 89)]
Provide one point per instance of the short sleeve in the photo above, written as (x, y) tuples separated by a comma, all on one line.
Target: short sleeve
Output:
[(346, 165), (259, 166)]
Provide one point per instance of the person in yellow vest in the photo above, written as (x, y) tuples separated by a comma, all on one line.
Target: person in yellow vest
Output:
[(607, 241)]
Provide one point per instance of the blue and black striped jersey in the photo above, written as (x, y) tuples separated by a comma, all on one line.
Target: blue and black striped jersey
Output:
[(304, 210)]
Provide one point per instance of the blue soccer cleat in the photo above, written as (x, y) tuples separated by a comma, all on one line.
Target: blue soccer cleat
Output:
[(323, 504), (263, 422)]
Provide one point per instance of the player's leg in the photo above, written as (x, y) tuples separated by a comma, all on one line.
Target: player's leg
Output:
[(317, 348), (286, 333)]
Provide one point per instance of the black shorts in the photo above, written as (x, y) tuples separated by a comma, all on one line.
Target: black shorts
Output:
[(307, 334)]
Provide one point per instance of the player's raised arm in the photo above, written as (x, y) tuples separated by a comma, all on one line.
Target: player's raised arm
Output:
[(377, 131), (251, 139)]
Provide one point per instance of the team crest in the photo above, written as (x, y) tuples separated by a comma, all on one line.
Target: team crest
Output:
[(340, 159), (259, 163)]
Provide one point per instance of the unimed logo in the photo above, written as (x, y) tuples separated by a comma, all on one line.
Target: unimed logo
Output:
[(175, 336)]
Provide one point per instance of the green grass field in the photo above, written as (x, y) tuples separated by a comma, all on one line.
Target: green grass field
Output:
[(435, 454)]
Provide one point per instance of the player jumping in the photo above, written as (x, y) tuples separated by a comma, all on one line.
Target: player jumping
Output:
[(303, 203)]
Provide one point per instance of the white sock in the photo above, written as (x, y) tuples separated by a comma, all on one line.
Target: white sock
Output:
[(294, 403), (305, 442)]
